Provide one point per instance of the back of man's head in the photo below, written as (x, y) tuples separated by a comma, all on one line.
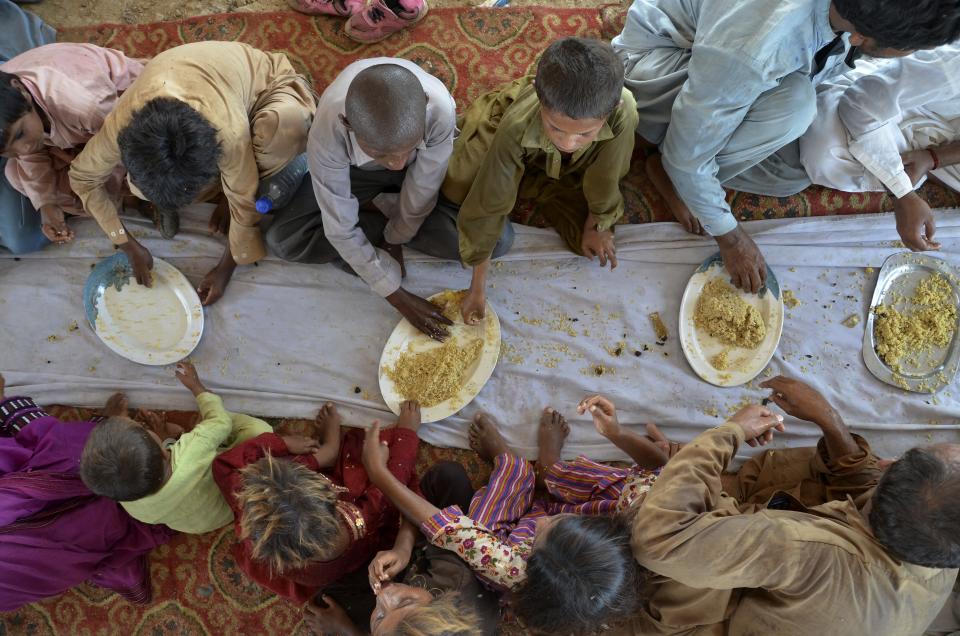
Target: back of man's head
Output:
[(580, 78), (170, 151), (906, 25), (915, 513), (386, 108)]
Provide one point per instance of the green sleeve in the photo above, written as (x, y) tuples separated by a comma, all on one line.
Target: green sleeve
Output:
[(491, 198), (601, 180), (216, 425)]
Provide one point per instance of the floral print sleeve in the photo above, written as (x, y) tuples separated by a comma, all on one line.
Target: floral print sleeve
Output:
[(502, 564), (635, 488)]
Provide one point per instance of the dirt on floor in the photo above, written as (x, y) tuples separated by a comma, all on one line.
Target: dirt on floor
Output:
[(70, 13)]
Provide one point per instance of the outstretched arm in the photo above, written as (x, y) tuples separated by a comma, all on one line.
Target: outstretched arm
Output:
[(375, 457), (642, 450)]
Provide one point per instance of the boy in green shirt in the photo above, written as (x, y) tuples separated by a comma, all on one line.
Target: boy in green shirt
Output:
[(564, 137), (172, 485)]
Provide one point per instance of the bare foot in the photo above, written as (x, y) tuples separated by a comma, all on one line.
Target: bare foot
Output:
[(485, 438), (409, 415), (552, 433), (661, 181), (118, 405), (327, 416)]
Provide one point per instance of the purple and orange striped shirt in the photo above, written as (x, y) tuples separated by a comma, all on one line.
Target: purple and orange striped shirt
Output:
[(496, 535)]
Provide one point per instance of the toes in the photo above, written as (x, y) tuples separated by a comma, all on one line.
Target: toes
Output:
[(482, 421)]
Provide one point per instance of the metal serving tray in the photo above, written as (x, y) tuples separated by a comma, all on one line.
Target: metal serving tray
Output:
[(899, 275)]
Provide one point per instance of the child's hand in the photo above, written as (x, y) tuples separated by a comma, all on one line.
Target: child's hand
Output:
[(156, 423), (599, 244), (375, 451), (3, 386), (604, 415), (187, 374), (409, 415), (328, 618), (385, 566), (300, 445)]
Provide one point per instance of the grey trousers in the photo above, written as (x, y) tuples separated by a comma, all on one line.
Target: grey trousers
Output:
[(763, 154), (296, 233)]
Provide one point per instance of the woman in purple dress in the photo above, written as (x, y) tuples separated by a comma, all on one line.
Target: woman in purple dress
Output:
[(54, 533)]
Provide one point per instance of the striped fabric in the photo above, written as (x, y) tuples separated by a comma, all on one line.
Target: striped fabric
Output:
[(496, 537), (16, 412)]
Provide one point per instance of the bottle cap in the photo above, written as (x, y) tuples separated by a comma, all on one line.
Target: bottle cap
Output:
[(264, 205)]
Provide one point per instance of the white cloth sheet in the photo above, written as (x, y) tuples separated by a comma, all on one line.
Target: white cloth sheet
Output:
[(286, 337)]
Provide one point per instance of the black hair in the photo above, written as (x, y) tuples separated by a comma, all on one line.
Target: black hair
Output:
[(580, 78), (905, 25), (13, 106), (170, 151), (386, 107), (121, 461), (580, 575), (915, 513)]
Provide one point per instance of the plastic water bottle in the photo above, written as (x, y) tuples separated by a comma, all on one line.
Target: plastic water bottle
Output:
[(277, 191)]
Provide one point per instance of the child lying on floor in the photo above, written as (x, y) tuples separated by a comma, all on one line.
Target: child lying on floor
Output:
[(567, 559), (54, 533), (301, 527), (161, 480)]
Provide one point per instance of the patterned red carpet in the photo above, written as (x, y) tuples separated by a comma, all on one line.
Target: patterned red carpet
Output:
[(197, 587)]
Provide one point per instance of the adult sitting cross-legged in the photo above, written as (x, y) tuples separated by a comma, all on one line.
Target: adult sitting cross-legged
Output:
[(726, 89)]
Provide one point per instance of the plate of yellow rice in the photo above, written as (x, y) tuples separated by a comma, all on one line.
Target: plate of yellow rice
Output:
[(442, 377)]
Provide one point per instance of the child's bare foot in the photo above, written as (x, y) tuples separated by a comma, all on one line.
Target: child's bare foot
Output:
[(118, 405), (661, 181), (552, 433), (409, 415), (485, 438), (327, 416)]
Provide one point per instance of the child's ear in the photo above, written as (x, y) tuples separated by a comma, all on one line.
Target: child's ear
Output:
[(345, 122)]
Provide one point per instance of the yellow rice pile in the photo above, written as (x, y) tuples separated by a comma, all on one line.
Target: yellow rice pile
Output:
[(436, 375), (930, 324), (723, 314)]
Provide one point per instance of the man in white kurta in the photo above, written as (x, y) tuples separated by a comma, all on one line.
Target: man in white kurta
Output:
[(887, 126)]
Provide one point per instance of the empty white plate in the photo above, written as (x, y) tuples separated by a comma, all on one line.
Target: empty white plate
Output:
[(156, 325)]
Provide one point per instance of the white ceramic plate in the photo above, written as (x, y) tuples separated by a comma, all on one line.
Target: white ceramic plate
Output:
[(699, 348), (154, 325), (406, 337)]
